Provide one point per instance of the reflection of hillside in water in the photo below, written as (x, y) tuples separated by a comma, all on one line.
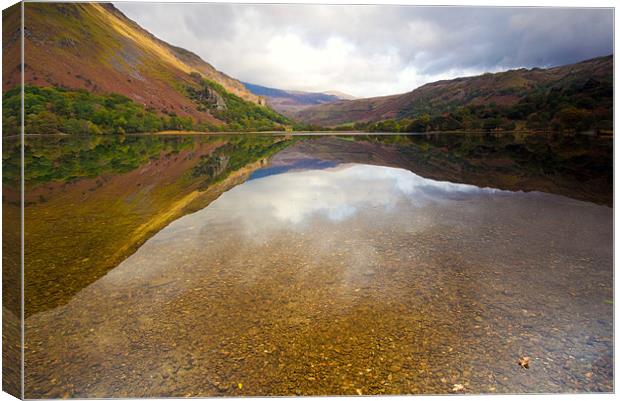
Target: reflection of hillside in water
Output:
[(394, 254), (92, 201), (576, 166), (109, 194), (366, 279), (11, 277)]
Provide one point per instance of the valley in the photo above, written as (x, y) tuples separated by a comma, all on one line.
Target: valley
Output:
[(153, 86), (194, 206)]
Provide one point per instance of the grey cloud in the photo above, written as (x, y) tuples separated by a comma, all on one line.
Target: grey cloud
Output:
[(374, 50)]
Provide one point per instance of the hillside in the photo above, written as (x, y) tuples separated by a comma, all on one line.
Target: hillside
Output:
[(96, 48), (580, 93), (289, 102)]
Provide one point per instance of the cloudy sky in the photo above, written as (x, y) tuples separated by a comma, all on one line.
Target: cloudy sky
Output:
[(374, 50)]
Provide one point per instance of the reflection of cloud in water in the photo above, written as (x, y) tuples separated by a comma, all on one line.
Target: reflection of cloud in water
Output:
[(261, 210), (337, 194)]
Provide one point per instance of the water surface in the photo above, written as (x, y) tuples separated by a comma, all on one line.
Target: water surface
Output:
[(339, 267)]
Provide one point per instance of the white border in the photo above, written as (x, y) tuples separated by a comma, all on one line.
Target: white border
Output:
[(489, 3)]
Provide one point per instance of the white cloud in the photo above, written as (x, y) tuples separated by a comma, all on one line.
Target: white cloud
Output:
[(374, 50)]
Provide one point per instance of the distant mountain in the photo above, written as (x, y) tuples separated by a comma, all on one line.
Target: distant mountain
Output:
[(95, 47), (341, 95), (578, 95), (288, 102)]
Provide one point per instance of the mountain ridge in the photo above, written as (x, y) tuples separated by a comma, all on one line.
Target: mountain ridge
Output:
[(140, 83), (94, 46), (288, 102), (502, 90), (89, 69)]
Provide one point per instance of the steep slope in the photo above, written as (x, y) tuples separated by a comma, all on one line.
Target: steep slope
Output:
[(93, 46), (289, 102), (587, 86)]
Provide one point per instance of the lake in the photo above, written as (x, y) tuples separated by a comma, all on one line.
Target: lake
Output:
[(316, 265)]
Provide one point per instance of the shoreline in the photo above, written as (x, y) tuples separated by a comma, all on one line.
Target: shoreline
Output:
[(364, 133), (324, 133)]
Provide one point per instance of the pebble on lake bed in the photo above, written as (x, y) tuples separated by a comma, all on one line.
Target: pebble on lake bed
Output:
[(458, 388)]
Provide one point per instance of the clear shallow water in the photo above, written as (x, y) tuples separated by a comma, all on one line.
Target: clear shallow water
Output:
[(325, 275)]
